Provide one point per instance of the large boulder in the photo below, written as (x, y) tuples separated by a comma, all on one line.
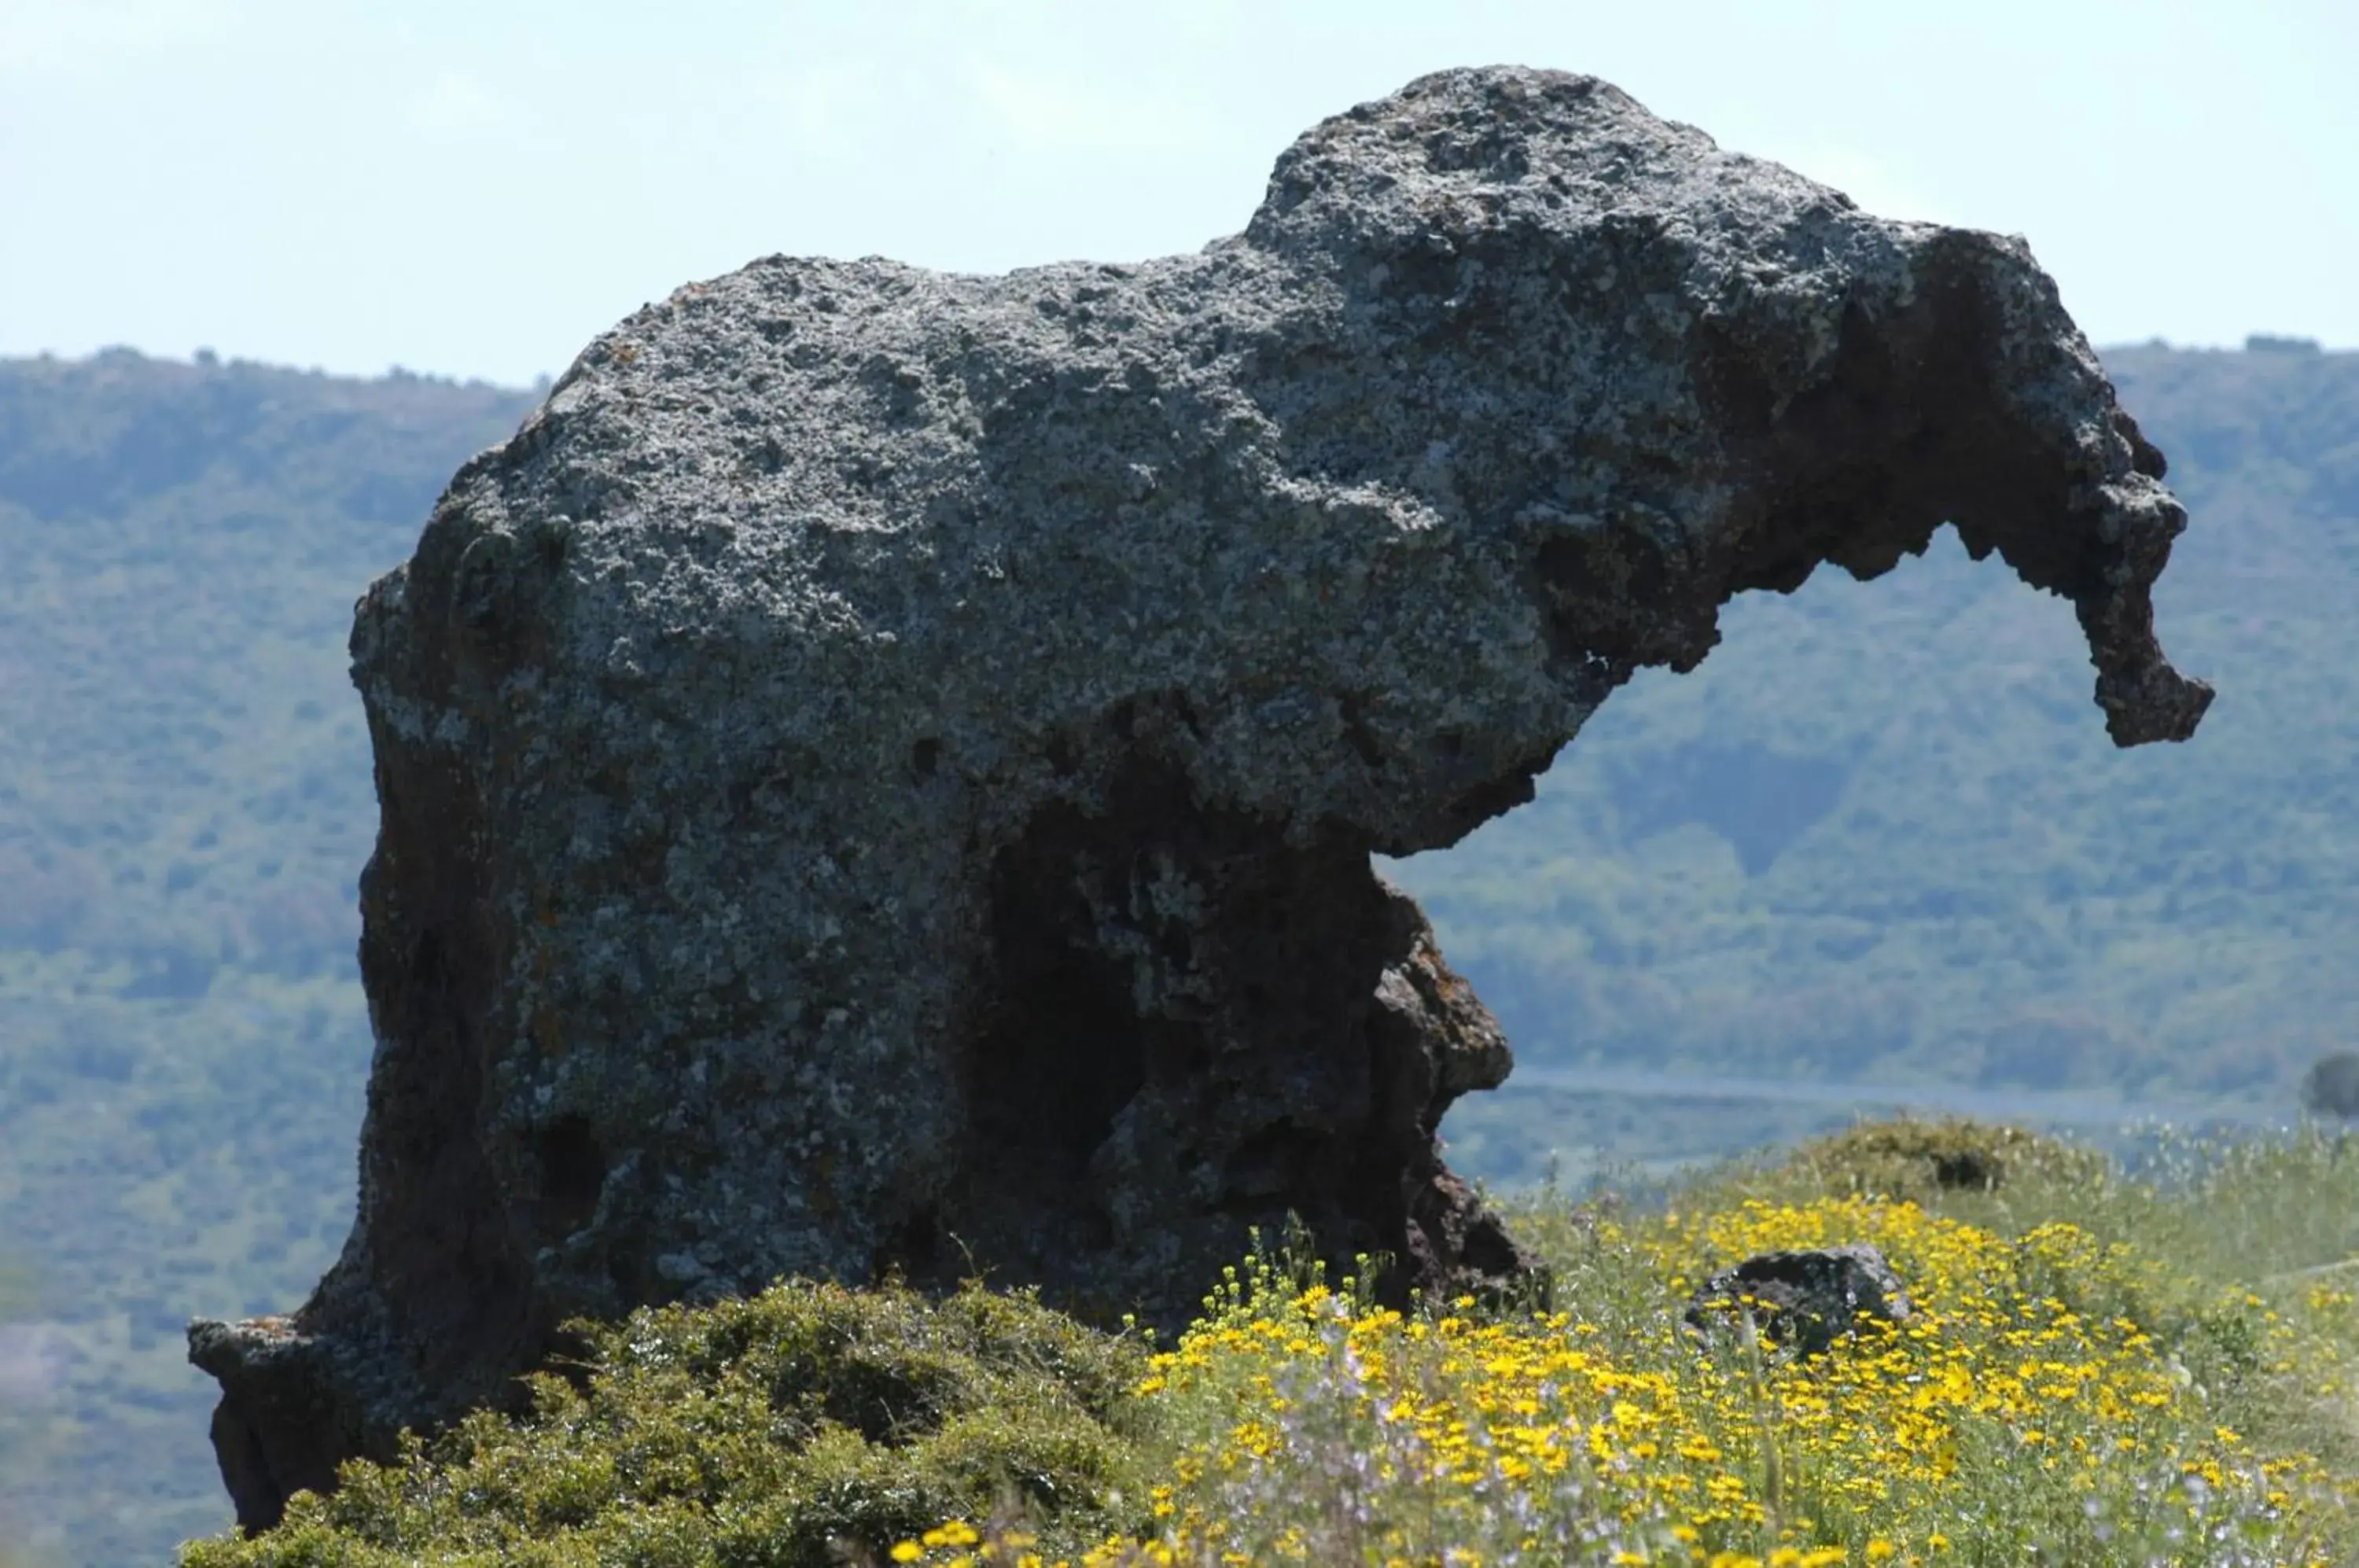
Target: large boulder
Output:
[(880, 773)]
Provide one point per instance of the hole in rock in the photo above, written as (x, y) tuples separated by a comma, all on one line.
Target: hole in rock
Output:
[(426, 961), (1193, 965), (1271, 1164), (1063, 1056), (1856, 848), (915, 1249), (572, 1172)]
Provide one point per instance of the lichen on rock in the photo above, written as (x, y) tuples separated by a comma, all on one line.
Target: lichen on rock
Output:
[(880, 773)]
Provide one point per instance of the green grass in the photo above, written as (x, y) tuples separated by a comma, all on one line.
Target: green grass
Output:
[(2108, 1366), (2248, 1234)]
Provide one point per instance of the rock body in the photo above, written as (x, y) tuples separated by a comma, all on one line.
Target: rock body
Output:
[(880, 772)]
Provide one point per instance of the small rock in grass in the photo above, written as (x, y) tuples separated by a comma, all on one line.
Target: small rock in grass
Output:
[(1802, 1299)]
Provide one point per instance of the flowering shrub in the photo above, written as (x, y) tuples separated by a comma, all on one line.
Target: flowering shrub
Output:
[(2146, 1382), (2022, 1410), (780, 1430)]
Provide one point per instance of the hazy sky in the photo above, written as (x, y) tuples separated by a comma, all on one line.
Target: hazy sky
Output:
[(476, 186)]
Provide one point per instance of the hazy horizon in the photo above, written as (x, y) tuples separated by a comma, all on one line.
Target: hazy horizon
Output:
[(2284, 341)]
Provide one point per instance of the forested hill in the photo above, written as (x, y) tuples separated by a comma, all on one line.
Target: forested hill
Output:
[(1879, 833), (184, 805), (183, 780)]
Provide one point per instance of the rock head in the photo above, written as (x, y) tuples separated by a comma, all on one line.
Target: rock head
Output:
[(880, 772)]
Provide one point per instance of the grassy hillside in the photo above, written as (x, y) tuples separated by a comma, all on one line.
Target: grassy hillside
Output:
[(2094, 1369), (1879, 833)]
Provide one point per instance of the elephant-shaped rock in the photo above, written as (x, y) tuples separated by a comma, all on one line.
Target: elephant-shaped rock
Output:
[(880, 773)]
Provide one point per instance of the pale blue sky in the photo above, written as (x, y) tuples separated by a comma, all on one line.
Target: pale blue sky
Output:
[(476, 186)]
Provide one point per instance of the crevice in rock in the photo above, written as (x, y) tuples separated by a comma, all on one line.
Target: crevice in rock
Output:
[(573, 1173), (1065, 1050), (1192, 968)]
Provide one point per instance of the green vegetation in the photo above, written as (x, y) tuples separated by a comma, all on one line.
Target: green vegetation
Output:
[(2102, 1367), (1879, 836), (764, 1431), (1916, 1162), (184, 806)]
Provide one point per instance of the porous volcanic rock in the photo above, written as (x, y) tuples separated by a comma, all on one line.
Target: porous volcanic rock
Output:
[(881, 770), (1801, 1301)]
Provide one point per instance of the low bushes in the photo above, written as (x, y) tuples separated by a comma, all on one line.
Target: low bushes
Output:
[(2085, 1380)]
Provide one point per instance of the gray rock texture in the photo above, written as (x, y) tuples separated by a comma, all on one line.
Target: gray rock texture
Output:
[(880, 772), (1801, 1301)]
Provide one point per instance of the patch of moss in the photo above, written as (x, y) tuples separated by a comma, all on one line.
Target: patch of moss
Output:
[(809, 1425)]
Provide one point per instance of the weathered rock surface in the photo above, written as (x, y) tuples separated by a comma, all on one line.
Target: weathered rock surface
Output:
[(881, 769), (1803, 1301)]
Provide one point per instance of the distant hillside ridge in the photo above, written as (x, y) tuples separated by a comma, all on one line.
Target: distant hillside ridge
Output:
[(185, 801), (1902, 857), (185, 542)]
